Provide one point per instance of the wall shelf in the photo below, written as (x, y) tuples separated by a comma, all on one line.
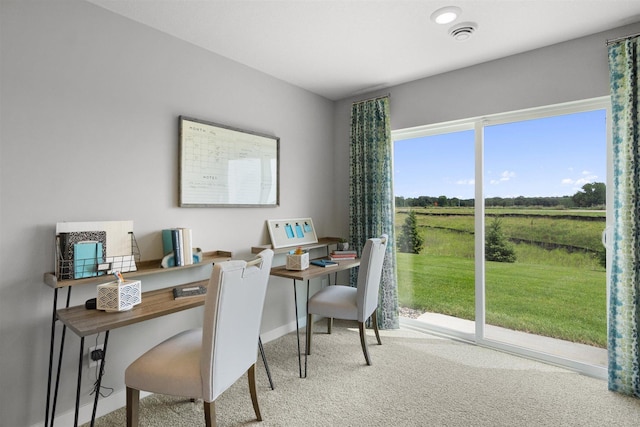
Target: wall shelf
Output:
[(144, 268), (323, 242)]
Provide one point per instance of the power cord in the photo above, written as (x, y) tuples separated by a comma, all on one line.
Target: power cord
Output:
[(98, 355)]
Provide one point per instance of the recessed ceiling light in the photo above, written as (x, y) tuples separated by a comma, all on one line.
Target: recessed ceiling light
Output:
[(446, 15)]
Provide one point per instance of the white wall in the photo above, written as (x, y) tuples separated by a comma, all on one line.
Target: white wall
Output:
[(89, 106)]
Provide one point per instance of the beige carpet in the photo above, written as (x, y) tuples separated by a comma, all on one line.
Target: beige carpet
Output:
[(416, 380)]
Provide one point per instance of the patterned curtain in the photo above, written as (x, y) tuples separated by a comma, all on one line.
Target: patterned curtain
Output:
[(371, 195), (624, 297)]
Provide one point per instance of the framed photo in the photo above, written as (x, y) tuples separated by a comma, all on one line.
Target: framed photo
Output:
[(291, 232), (221, 166)]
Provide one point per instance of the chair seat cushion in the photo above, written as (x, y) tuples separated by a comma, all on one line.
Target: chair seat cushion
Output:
[(172, 367), (335, 301)]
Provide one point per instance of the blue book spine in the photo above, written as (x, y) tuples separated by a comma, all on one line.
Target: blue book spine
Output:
[(177, 247)]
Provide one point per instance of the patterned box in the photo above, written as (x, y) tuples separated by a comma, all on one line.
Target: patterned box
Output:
[(116, 296), (298, 262)]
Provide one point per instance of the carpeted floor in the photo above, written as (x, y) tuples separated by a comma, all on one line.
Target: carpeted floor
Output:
[(416, 380)]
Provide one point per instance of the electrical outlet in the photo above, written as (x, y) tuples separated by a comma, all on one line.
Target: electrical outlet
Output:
[(94, 355)]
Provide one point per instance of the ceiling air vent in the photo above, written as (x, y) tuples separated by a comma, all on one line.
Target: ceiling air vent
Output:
[(463, 31)]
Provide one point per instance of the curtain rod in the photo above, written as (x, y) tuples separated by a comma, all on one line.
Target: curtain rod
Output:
[(617, 39), (388, 95)]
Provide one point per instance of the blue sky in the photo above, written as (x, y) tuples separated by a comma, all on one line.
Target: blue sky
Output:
[(553, 156)]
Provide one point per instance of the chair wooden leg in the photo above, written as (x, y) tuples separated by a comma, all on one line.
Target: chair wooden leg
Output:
[(209, 413), (309, 332), (133, 403), (252, 390), (363, 341), (374, 321)]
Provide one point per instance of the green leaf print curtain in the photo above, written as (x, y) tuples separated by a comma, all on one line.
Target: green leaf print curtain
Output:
[(371, 195), (624, 297)]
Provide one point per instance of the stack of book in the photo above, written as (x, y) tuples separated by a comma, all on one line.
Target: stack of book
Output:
[(340, 255), (177, 241)]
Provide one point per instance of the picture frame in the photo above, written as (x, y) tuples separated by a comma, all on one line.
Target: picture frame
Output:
[(222, 166), (291, 232)]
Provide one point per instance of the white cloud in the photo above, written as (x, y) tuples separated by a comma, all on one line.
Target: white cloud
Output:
[(504, 177), (466, 182)]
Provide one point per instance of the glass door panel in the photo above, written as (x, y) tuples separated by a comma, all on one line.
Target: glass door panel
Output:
[(545, 195)]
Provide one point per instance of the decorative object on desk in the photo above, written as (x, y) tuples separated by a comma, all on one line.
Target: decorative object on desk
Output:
[(188, 292), (342, 245), (119, 295), (299, 260), (168, 260), (86, 257), (217, 160), (291, 232), (324, 263)]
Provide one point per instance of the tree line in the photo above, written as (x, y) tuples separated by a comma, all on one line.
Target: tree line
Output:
[(591, 195)]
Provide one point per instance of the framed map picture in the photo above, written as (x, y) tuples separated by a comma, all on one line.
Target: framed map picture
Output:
[(221, 166)]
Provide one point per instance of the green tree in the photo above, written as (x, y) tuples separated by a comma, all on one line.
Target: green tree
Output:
[(497, 247), (594, 194), (410, 239)]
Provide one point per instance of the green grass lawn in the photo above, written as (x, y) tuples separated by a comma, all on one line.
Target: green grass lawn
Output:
[(560, 302), (546, 292)]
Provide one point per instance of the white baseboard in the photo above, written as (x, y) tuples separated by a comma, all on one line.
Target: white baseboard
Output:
[(282, 330)]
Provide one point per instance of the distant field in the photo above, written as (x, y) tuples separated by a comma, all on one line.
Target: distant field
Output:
[(550, 292)]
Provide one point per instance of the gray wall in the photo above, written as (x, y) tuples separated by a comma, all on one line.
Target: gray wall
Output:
[(564, 72), (89, 104)]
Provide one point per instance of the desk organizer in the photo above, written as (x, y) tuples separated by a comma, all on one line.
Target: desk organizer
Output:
[(298, 262), (84, 254), (119, 296)]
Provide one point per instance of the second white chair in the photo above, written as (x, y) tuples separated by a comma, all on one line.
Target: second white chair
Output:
[(348, 303)]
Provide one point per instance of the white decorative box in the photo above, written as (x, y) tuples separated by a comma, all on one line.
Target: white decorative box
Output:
[(298, 262), (119, 296)]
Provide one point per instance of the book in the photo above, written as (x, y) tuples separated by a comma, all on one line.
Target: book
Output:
[(354, 253), (188, 292), (186, 246), (86, 257), (178, 241), (324, 263)]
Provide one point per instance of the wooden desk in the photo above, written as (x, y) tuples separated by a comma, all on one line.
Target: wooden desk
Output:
[(312, 272), (154, 304), (85, 322)]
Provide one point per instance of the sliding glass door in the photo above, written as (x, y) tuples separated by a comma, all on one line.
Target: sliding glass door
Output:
[(518, 209)]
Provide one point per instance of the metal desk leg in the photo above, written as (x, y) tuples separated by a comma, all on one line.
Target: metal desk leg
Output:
[(51, 347), (295, 303), (264, 361), (62, 339), (79, 381), (306, 350), (100, 373)]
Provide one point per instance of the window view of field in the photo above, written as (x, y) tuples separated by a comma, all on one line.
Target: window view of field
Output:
[(544, 197), (555, 288)]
